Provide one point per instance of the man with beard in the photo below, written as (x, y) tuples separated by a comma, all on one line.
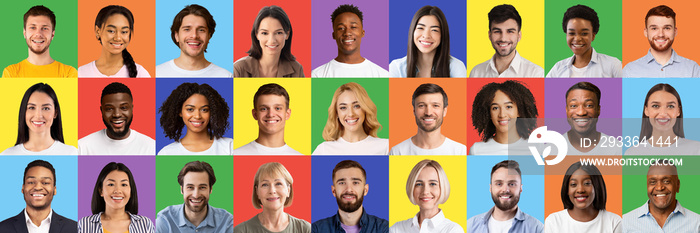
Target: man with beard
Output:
[(504, 33), (429, 107), (191, 31), (349, 188), (38, 188), (39, 29), (196, 181), (662, 212), (117, 106), (582, 111), (506, 186), (661, 61)]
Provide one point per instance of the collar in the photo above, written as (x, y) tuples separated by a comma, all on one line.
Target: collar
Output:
[(644, 210), (182, 221), (514, 64), (649, 58), (29, 221), (519, 215), (95, 218), (364, 219), (251, 65), (436, 220)]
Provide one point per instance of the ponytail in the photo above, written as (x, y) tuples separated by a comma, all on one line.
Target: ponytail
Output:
[(130, 64)]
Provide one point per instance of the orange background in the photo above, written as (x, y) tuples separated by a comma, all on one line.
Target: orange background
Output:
[(554, 175), (299, 13), (401, 118), (635, 45), (474, 85), (244, 168), (143, 38), (90, 116)]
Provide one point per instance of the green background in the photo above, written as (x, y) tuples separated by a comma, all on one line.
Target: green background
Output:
[(608, 41), (634, 189), (64, 46), (322, 95), (168, 190)]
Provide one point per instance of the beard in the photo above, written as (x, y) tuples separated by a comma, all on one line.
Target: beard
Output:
[(661, 49), (438, 123), (121, 134), (507, 205), (349, 207), (39, 52), (504, 53), (205, 204)]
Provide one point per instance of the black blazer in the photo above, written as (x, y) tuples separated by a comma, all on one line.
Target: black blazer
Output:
[(59, 224)]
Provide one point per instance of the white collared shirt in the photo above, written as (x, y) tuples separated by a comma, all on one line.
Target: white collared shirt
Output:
[(437, 224), (519, 67), (43, 228), (600, 66)]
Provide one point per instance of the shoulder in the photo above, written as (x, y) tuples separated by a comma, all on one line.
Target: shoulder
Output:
[(14, 150), (141, 136), (457, 68), (8, 224), (142, 221), (455, 62), (170, 149), (556, 218), (88, 221), (476, 148), (300, 224), (97, 135), (452, 227), (68, 223), (610, 215), (609, 59), (397, 68), (142, 72), (320, 71), (380, 71), (244, 64), (401, 148), (168, 211), (64, 149), (90, 67)]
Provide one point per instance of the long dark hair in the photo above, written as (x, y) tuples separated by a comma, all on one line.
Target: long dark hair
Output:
[(647, 129), (102, 16), (23, 129), (441, 61), (98, 202), (277, 13)]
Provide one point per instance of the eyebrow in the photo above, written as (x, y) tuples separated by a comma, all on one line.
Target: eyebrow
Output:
[(585, 29), (658, 102), (509, 102), (428, 181), (116, 181), (125, 27), (433, 26), (33, 177), (190, 105)]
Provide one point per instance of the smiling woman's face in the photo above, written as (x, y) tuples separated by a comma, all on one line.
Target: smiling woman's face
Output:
[(116, 190), (581, 190), (40, 112), (115, 34), (662, 109)]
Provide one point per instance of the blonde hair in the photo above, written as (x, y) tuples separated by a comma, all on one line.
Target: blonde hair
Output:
[(272, 169), (444, 183), (334, 129)]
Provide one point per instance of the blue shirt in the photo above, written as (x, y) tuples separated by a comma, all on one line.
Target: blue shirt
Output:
[(93, 224), (522, 223), (368, 224), (172, 219), (600, 66), (397, 68), (648, 67), (680, 220)]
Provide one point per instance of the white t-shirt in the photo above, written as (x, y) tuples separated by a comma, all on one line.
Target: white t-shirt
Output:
[(437, 224), (607, 146), (368, 146), (90, 71), (335, 69), (492, 147), (496, 226), (255, 148), (57, 148), (448, 147), (221, 146), (561, 221), (684, 147), (98, 143), (169, 70)]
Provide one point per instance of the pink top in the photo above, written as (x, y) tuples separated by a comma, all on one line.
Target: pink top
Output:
[(90, 71)]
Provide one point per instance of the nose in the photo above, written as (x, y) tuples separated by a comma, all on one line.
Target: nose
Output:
[(117, 113), (269, 113), (501, 113), (580, 111), (659, 186), (197, 115), (579, 189), (426, 34), (195, 193)]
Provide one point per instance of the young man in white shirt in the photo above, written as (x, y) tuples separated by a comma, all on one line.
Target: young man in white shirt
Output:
[(271, 103), (191, 31), (348, 33), (117, 107), (504, 34), (429, 108)]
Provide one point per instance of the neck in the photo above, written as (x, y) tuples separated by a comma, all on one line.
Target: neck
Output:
[(269, 65), (427, 214), (114, 214), (350, 218), (662, 57), (273, 218), (353, 58), (187, 62), (109, 59), (202, 136), (38, 141), (196, 217), (662, 214), (582, 60), (507, 138), (503, 215), (354, 136), (425, 64), (428, 140), (503, 62), (40, 59), (663, 137), (583, 215), (271, 140), (37, 215)]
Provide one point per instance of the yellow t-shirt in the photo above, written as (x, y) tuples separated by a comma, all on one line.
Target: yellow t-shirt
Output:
[(24, 69)]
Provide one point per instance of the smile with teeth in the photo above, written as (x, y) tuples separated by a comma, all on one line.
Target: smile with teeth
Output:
[(663, 121), (196, 123), (38, 123), (117, 198), (349, 41), (38, 195), (118, 123), (581, 121), (504, 122), (271, 121), (38, 41), (429, 120), (660, 195), (505, 196), (581, 198), (272, 46), (426, 199), (117, 45), (349, 197), (196, 201), (194, 43), (353, 121), (577, 45), (503, 44), (426, 43)]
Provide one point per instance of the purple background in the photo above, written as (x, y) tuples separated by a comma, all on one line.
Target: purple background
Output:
[(375, 44), (142, 168), (609, 121)]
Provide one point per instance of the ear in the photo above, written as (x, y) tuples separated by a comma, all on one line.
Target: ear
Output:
[(289, 113), (646, 111), (55, 191), (645, 32), (366, 190), (255, 115), (286, 35), (181, 191), (593, 37), (363, 32), (520, 35), (24, 33), (332, 190), (444, 113), (333, 33), (678, 189), (177, 38), (97, 32), (675, 32)]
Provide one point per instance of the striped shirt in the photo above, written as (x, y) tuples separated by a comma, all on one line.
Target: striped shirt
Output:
[(92, 224), (681, 220)]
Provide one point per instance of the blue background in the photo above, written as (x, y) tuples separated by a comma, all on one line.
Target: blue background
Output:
[(220, 49), (401, 13), (65, 202), (166, 86), (323, 202), (479, 176)]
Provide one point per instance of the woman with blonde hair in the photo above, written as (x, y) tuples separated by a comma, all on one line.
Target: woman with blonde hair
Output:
[(272, 191), (352, 125), (427, 186)]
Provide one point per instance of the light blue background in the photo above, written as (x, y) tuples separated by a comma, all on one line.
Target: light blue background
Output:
[(220, 49), (65, 202), (634, 90), (479, 176)]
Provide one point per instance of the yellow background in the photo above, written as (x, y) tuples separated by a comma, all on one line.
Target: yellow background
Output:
[(400, 208), (297, 130), (531, 45), (13, 91)]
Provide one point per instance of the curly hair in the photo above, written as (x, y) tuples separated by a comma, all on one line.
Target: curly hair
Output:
[(583, 12), (171, 121), (334, 129), (518, 93)]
